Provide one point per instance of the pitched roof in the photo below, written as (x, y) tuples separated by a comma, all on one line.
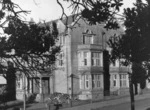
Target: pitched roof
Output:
[(70, 19), (66, 20)]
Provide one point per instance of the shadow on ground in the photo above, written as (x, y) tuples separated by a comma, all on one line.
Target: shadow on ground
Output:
[(18, 107), (14, 106), (148, 109)]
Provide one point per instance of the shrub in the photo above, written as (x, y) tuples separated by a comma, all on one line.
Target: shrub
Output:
[(31, 98), (58, 98)]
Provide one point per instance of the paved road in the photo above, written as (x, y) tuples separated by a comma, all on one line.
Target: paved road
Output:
[(142, 103), (139, 105), (118, 104)]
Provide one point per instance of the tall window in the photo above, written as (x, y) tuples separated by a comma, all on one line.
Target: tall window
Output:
[(92, 39), (18, 82), (86, 81), (60, 59), (123, 80), (62, 40), (114, 63), (85, 55), (114, 80), (83, 58), (95, 59), (80, 82), (96, 81)]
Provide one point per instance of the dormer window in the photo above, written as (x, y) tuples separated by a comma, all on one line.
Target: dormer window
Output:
[(88, 37)]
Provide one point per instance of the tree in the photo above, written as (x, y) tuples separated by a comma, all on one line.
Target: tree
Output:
[(26, 47), (95, 11), (10, 77), (9, 11), (31, 48), (133, 46), (3, 95)]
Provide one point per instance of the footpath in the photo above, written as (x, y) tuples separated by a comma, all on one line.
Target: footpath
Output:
[(93, 105)]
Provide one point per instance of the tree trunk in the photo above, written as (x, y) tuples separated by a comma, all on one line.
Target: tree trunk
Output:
[(131, 93), (11, 89), (106, 74), (11, 83), (135, 88)]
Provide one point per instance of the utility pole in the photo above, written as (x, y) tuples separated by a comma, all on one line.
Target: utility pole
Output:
[(71, 76), (24, 94)]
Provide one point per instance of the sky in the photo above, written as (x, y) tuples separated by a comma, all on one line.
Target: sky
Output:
[(49, 9)]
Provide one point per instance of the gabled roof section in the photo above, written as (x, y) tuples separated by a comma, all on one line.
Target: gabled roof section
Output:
[(66, 20), (70, 19)]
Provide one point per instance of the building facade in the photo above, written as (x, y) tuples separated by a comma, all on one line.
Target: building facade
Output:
[(79, 68), (80, 63)]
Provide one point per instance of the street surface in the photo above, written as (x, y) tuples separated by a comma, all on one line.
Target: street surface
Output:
[(139, 105), (142, 102)]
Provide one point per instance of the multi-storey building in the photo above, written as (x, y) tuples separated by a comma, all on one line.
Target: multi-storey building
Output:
[(80, 63), (79, 66)]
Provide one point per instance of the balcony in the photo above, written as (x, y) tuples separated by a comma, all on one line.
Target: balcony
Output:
[(94, 69), (90, 47), (119, 69), (90, 69)]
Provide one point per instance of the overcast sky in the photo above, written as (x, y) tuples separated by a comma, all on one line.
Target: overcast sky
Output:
[(49, 9)]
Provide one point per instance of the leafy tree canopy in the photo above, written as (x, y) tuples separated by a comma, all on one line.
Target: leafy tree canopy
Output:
[(96, 11), (9, 11), (133, 46), (29, 46)]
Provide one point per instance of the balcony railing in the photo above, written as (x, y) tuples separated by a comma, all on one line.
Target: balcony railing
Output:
[(90, 68), (89, 47), (119, 69)]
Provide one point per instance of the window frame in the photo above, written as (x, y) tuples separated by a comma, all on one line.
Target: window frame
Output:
[(95, 58), (123, 80), (96, 81), (114, 80), (88, 39), (85, 58), (61, 59), (86, 82), (19, 82)]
